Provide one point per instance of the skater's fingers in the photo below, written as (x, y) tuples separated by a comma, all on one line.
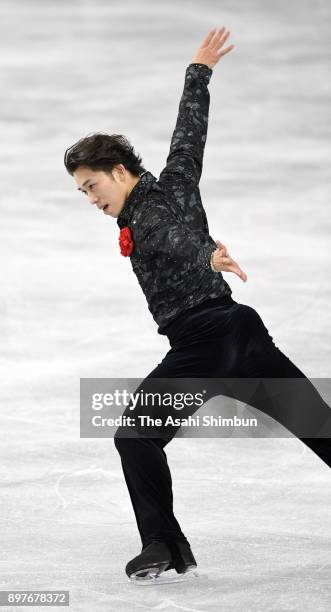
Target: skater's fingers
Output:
[(221, 40), (222, 257), (215, 41), (241, 274), (221, 246), (227, 50), (224, 262), (208, 37), (238, 271)]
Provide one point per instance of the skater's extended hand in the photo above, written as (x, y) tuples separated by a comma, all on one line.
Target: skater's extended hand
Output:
[(222, 262), (211, 50)]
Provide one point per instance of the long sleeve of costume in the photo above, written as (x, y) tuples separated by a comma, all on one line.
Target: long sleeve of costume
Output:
[(184, 162)]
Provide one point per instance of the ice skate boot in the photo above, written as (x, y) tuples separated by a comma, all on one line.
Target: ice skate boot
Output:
[(183, 560), (152, 561)]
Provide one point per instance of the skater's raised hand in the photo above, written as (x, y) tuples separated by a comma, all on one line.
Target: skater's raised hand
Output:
[(211, 50), (222, 262)]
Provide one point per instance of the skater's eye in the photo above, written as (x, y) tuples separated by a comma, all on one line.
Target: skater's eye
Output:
[(90, 187)]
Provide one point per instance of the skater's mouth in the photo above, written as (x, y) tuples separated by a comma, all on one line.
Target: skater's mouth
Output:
[(105, 207)]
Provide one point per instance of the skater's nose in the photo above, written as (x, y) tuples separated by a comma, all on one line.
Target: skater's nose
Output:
[(93, 198)]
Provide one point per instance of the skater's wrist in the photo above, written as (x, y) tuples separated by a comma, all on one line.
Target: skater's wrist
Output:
[(199, 71)]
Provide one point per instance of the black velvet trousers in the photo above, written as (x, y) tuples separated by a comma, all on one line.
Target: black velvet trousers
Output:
[(218, 338)]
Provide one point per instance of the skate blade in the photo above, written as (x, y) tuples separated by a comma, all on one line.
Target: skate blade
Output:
[(148, 575), (154, 577)]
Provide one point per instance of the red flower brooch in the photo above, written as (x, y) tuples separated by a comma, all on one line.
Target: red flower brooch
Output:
[(125, 241)]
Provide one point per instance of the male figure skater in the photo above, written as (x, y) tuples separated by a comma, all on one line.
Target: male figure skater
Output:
[(164, 231)]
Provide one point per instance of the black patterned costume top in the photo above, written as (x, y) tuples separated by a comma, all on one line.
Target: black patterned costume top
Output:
[(172, 245)]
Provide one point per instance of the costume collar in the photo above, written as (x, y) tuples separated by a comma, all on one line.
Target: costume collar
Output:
[(136, 195)]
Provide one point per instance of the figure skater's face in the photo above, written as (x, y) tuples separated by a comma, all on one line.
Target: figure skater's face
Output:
[(108, 191)]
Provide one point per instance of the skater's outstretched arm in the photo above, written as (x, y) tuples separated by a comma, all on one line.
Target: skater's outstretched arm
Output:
[(184, 162)]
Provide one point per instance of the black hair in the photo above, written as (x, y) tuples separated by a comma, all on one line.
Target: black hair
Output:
[(102, 152)]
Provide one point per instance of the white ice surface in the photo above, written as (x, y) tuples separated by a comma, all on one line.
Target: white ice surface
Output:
[(256, 511)]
